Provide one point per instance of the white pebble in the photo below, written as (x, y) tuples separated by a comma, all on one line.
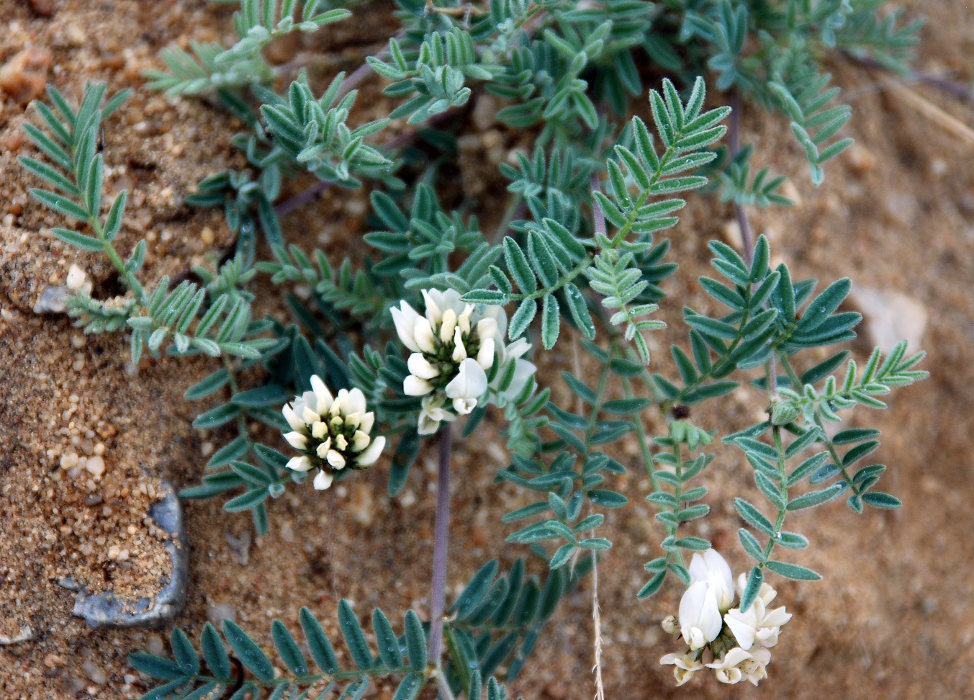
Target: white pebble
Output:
[(76, 278), (95, 465)]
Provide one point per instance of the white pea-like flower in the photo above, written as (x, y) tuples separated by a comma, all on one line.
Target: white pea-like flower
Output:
[(740, 639), (758, 626), (331, 432), (741, 665), (453, 347), (712, 569), (700, 619), (684, 665)]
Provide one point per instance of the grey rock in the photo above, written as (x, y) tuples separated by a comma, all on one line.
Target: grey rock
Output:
[(108, 610), (890, 317), (240, 546), (24, 635), (51, 301), (218, 612)]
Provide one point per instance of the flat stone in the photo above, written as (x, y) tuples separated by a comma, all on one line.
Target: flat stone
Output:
[(108, 610), (890, 317), (51, 301), (24, 635)]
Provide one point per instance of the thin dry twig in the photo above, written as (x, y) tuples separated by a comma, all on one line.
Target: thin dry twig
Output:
[(931, 111), (596, 608)]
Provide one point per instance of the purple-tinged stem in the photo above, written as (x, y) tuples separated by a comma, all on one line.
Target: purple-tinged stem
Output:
[(734, 144), (441, 534)]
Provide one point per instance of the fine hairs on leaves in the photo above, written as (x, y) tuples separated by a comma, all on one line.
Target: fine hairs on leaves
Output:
[(436, 321)]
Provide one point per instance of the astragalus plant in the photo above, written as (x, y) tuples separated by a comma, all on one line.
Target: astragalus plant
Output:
[(439, 323)]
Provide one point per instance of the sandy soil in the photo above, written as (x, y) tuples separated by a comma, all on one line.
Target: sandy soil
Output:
[(894, 617)]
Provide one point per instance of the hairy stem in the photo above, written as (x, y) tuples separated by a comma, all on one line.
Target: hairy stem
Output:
[(441, 534), (734, 144)]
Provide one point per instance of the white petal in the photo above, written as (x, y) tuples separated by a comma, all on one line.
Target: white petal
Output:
[(405, 319), (431, 414), (319, 430), (711, 568), (463, 320), (369, 457), (427, 424), (356, 401), (367, 421), (732, 658), (360, 441), (323, 480), (323, 448), (448, 325), (310, 416), (298, 441), (459, 352), (292, 418), (487, 328), (700, 619), (485, 355), (425, 339), (523, 371), (443, 300), (299, 464), (341, 442), (322, 394), (516, 349), (470, 382), (335, 459), (497, 314), (464, 406), (743, 625), (342, 404), (414, 386), (433, 311), (420, 367)]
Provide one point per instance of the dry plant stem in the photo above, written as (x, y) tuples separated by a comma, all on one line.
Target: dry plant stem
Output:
[(955, 88), (441, 534), (597, 629), (932, 111), (600, 228)]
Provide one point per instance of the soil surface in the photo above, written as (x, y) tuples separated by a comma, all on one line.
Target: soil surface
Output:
[(86, 438)]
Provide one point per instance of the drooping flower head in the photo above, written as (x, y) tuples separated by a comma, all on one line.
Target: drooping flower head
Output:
[(454, 346), (738, 641), (331, 432)]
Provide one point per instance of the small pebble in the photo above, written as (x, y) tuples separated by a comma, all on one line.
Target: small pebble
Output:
[(76, 278), (96, 675), (154, 645), (95, 465), (42, 8), (219, 612), (24, 76), (240, 546)]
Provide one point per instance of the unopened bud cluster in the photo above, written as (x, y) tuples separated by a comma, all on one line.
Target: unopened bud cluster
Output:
[(734, 643), (331, 432)]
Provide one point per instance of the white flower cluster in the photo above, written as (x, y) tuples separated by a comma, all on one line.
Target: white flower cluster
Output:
[(735, 643), (331, 432), (454, 346)]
